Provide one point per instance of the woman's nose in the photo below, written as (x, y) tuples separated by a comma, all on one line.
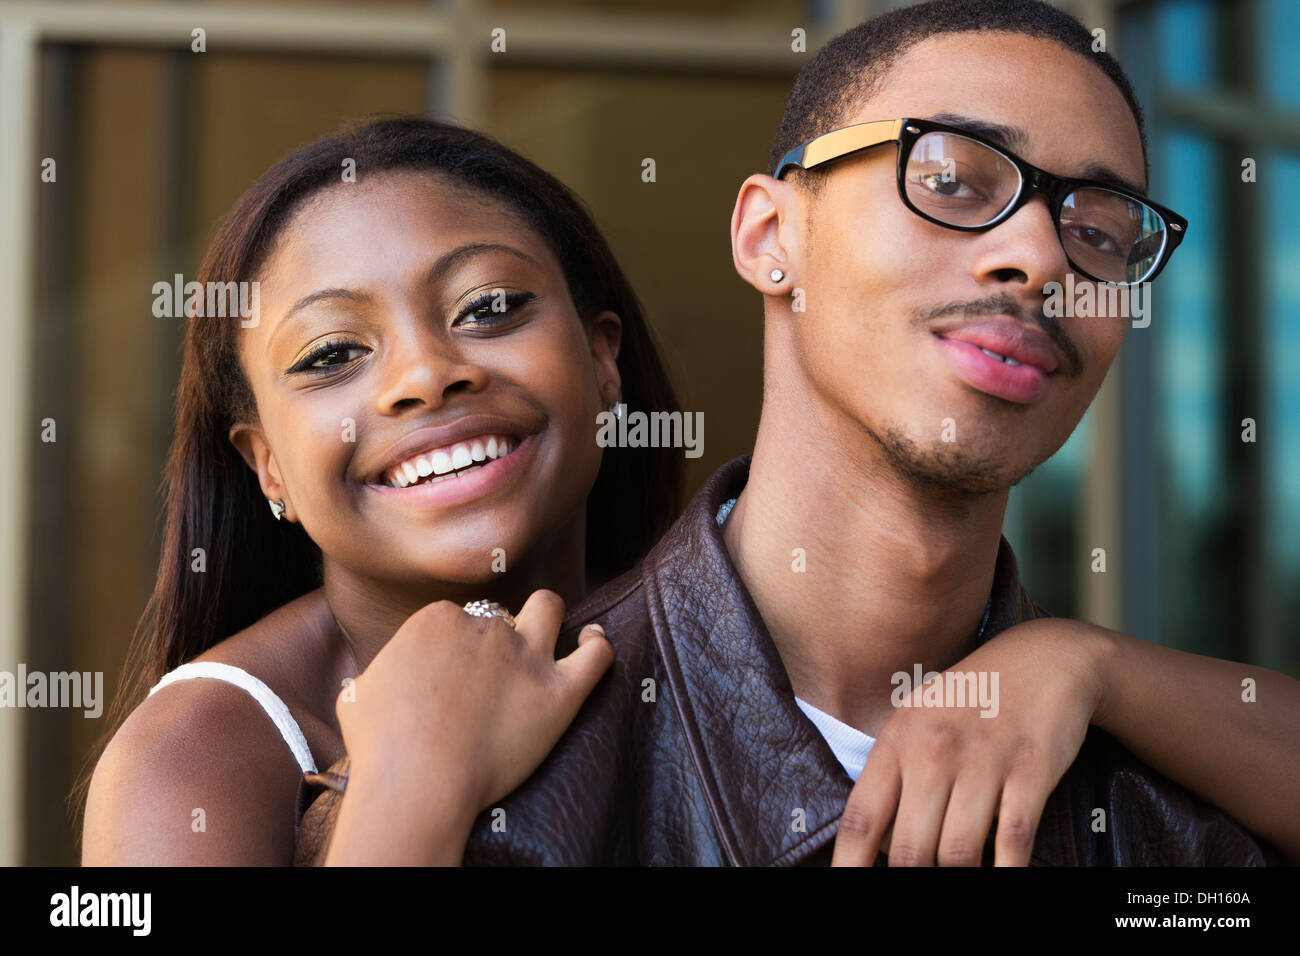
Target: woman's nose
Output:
[(422, 367)]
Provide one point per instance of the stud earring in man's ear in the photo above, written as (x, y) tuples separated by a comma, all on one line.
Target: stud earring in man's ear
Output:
[(777, 275), (277, 508)]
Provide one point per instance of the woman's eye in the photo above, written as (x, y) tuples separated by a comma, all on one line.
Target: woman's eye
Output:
[(492, 309), (329, 355)]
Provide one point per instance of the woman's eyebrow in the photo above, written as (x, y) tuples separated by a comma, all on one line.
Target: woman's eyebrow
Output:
[(445, 263), (458, 255)]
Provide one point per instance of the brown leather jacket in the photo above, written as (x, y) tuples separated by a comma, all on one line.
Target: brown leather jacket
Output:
[(692, 750)]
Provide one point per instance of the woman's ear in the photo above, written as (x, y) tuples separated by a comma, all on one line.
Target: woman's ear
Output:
[(605, 333), (253, 448), (763, 244)]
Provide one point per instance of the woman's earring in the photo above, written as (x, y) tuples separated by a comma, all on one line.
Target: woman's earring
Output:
[(277, 508), (777, 275)]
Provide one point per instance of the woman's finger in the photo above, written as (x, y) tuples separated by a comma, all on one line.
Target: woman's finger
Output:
[(540, 618), (921, 808), (1023, 799), (869, 810), (969, 819), (586, 664)]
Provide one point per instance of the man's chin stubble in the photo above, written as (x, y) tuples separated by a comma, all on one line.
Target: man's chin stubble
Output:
[(951, 469)]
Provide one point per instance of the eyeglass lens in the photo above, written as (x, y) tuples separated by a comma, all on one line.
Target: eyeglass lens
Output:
[(962, 182)]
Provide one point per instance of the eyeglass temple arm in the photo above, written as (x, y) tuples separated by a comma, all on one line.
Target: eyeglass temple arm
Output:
[(840, 142), (1146, 247)]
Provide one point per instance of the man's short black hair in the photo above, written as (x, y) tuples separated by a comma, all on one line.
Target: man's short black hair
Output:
[(852, 66)]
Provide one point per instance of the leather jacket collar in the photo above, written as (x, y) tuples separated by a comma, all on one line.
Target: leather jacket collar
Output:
[(732, 694)]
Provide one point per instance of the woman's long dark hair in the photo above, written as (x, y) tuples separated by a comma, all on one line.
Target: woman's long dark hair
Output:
[(213, 500)]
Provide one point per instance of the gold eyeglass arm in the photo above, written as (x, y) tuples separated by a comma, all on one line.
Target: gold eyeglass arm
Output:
[(848, 139)]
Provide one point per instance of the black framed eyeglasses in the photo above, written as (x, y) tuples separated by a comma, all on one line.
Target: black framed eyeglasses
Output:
[(955, 178)]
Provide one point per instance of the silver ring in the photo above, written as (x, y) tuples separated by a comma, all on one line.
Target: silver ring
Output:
[(489, 609)]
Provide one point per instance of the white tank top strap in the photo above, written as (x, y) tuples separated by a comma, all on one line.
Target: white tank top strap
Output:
[(273, 705)]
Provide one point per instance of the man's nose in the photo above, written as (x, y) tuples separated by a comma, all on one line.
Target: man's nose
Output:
[(1024, 250)]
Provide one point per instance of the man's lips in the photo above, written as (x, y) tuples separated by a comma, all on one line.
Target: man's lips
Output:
[(1009, 339), (1022, 364)]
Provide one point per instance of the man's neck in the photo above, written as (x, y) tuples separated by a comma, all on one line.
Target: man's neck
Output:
[(893, 574)]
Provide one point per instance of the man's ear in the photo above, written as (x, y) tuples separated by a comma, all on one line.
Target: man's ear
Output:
[(605, 333), (251, 443), (762, 239)]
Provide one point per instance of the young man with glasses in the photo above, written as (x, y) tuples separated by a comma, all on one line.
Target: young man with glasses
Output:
[(903, 247)]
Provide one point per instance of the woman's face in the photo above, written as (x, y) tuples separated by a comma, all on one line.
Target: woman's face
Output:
[(410, 329)]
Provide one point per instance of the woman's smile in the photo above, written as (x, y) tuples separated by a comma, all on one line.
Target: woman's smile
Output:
[(470, 482), (450, 461)]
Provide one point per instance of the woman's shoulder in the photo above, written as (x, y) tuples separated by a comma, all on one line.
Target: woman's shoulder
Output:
[(197, 773), (297, 653), (189, 778), (295, 650)]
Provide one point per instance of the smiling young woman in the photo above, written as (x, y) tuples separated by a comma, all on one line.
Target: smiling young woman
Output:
[(417, 399)]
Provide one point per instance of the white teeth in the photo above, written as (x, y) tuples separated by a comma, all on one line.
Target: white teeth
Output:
[(449, 462), (1001, 358)]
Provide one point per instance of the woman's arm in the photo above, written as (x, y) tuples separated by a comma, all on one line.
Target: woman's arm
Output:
[(196, 776), (1181, 713), (1188, 716), (452, 714), (391, 819)]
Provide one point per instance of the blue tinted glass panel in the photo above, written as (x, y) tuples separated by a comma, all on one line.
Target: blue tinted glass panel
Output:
[(1188, 404), (1280, 49), (1186, 42), (1279, 423), (1188, 302)]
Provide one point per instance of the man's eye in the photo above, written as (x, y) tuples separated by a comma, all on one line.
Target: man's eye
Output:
[(492, 308), (328, 356), (941, 184), (1096, 238)]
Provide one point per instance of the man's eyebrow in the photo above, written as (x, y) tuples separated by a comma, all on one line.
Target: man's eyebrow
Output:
[(445, 264), (1014, 139), (1008, 137), (1104, 174)]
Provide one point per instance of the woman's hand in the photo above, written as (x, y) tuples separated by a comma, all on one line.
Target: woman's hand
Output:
[(942, 774), (455, 712)]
